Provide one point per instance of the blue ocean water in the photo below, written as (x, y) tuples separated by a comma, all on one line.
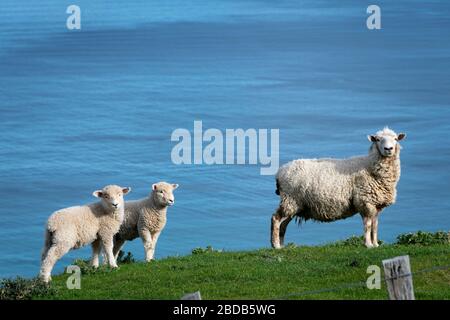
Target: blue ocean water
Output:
[(82, 109)]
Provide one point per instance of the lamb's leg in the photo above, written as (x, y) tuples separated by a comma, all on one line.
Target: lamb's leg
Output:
[(118, 244), (375, 231), (155, 237), (146, 237), (117, 247), (107, 244), (283, 227), (96, 248), (53, 254), (47, 245)]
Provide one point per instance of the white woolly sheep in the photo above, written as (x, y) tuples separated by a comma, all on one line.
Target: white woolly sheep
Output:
[(146, 219), (329, 189), (74, 227)]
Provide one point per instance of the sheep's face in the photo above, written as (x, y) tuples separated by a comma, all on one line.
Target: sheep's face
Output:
[(112, 196), (386, 141), (162, 193)]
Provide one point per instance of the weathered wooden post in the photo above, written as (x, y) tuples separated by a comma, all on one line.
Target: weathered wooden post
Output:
[(397, 273), (192, 296)]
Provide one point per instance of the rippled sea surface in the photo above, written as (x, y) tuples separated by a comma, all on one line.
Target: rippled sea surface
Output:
[(82, 109)]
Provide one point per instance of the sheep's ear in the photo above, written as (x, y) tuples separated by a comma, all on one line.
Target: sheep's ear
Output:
[(97, 194), (174, 186), (401, 136), (126, 190), (154, 186), (372, 138)]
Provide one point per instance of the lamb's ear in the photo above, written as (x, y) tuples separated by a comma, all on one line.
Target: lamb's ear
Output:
[(154, 186), (98, 193), (126, 190), (174, 186), (401, 136), (372, 138)]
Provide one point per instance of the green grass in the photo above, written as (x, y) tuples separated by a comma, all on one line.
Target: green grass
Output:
[(265, 274), (333, 271)]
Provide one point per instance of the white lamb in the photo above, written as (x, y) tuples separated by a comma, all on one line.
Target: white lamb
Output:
[(330, 189), (146, 219), (74, 227)]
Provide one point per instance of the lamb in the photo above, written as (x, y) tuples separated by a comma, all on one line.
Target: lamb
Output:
[(146, 219), (74, 227), (330, 189)]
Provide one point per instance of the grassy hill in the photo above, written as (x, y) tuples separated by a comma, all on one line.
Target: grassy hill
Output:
[(305, 272)]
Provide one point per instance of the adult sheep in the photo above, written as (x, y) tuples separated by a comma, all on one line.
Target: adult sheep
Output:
[(74, 227), (146, 219), (330, 189)]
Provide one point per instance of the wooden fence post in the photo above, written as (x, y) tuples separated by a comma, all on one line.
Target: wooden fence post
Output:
[(192, 296), (397, 273)]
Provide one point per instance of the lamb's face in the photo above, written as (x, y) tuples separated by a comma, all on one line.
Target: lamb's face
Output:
[(112, 196), (386, 141), (162, 193)]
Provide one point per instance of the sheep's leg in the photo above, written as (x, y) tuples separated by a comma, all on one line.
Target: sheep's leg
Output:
[(375, 231), (283, 227), (54, 254), (279, 225), (118, 244), (368, 213), (146, 237), (286, 211), (275, 229), (108, 248), (104, 258), (96, 248), (368, 232)]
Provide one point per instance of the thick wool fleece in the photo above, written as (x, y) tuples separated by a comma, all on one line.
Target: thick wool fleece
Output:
[(330, 189)]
